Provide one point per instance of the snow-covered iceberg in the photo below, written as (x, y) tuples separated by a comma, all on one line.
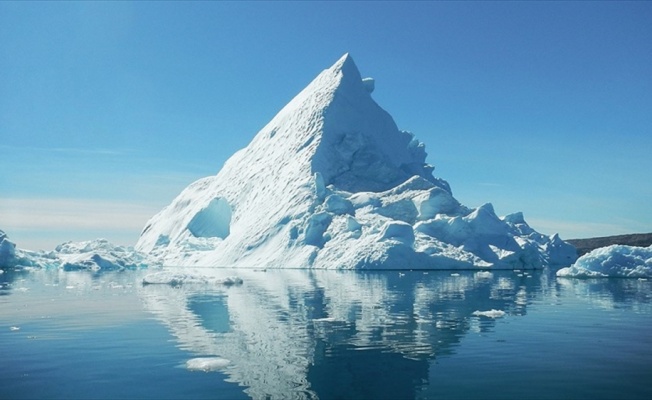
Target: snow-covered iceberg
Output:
[(99, 254), (93, 255), (7, 251), (331, 182), (617, 261), (13, 257)]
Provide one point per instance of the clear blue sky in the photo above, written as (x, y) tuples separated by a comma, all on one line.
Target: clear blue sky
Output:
[(108, 110)]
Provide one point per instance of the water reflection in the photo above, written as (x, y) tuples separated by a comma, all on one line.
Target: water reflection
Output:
[(631, 294), (329, 334), (309, 334)]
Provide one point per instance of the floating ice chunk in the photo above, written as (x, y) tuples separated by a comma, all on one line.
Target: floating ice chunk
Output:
[(612, 261), (325, 319), (207, 364), (489, 314), (180, 278), (484, 275)]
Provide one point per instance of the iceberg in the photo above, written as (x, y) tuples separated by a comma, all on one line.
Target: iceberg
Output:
[(331, 182), (618, 261), (489, 314), (92, 255), (7, 251), (178, 279), (98, 254)]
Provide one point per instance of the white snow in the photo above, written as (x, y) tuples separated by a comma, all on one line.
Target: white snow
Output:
[(489, 314), (207, 364), (613, 261), (331, 182)]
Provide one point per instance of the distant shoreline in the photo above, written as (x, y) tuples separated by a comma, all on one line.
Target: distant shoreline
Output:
[(584, 246)]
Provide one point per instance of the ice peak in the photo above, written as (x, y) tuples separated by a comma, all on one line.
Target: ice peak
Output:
[(331, 182), (345, 63)]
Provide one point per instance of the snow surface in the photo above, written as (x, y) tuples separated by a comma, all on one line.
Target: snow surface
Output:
[(331, 182), (612, 261)]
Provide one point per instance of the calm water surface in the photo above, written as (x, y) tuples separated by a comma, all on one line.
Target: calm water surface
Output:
[(325, 334)]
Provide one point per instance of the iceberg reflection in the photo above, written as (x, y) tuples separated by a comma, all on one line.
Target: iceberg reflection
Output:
[(326, 334)]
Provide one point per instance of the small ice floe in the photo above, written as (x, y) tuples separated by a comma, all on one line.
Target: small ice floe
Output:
[(484, 275), (14, 328), (207, 364), (177, 279), (325, 319), (489, 314)]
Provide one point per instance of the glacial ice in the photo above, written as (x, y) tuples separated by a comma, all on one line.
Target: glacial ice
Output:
[(178, 278), (489, 314), (7, 251), (617, 261), (93, 255), (331, 182)]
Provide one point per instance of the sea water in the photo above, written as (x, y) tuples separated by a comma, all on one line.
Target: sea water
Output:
[(325, 334)]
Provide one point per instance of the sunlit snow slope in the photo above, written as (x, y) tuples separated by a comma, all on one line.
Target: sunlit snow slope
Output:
[(331, 182)]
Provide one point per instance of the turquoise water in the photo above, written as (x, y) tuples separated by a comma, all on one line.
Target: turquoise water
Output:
[(325, 334)]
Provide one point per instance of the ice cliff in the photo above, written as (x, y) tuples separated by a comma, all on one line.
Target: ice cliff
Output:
[(331, 182)]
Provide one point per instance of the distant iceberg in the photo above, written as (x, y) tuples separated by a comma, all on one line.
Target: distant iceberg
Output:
[(617, 261), (331, 182), (7, 251), (178, 279), (92, 255)]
